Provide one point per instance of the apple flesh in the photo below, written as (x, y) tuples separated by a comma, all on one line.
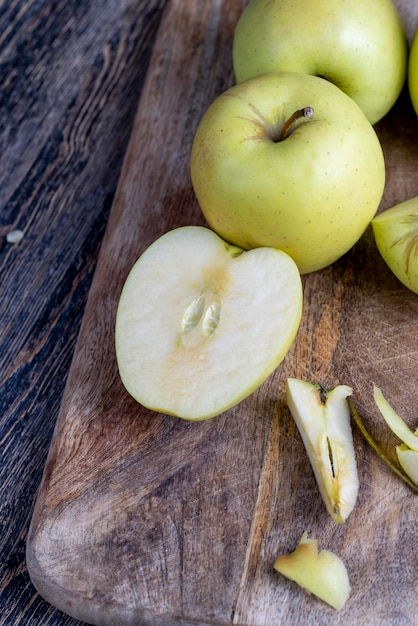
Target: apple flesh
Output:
[(310, 190), (321, 573), (359, 46), (407, 452), (323, 420), (413, 72), (408, 460), (396, 235), (201, 324)]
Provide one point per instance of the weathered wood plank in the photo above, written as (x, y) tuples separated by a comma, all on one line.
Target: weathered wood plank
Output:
[(71, 75)]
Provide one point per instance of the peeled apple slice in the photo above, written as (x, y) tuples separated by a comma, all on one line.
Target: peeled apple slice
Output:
[(201, 324)]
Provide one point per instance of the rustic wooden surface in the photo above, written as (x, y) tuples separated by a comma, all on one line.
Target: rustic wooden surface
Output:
[(151, 519)]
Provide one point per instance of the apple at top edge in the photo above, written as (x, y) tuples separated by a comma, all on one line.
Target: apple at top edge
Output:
[(311, 193), (359, 45), (413, 72)]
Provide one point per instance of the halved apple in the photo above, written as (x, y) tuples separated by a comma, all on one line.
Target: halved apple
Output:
[(396, 234), (323, 420), (201, 324), (321, 573)]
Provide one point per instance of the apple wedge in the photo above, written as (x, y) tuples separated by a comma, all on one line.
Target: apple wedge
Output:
[(201, 324), (407, 452), (323, 420), (321, 573)]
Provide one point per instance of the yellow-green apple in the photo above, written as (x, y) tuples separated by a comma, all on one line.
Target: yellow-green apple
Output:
[(200, 324), (396, 234), (407, 452), (413, 72), (323, 420), (323, 573), (290, 161), (360, 46)]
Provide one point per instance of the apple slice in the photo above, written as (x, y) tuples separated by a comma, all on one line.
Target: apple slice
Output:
[(408, 460), (323, 420), (201, 324), (407, 452), (394, 421), (323, 574), (396, 234)]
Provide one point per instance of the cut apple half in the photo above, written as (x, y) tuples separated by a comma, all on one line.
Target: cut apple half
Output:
[(396, 234), (201, 324), (323, 420)]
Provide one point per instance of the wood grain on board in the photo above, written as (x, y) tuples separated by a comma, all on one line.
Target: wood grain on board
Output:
[(149, 520)]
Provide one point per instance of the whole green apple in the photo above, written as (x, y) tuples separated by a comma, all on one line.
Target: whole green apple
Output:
[(288, 161), (359, 45), (396, 234), (413, 72)]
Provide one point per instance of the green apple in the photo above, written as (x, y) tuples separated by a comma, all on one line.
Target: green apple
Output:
[(201, 324), (323, 573), (288, 161), (360, 46), (323, 420), (413, 72), (407, 452), (396, 234)]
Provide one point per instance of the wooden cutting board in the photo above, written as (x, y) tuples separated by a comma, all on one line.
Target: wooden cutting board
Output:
[(144, 519)]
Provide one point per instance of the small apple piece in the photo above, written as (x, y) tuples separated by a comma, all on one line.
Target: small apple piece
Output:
[(413, 72), (359, 46), (323, 574), (408, 460), (407, 452), (201, 324), (288, 161), (394, 421), (323, 420), (396, 234)]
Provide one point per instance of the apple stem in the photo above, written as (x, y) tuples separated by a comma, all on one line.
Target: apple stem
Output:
[(377, 449), (306, 112)]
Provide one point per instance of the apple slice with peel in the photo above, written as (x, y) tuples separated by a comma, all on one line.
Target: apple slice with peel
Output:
[(394, 421), (321, 573), (396, 234), (323, 420), (201, 324), (408, 460), (407, 452)]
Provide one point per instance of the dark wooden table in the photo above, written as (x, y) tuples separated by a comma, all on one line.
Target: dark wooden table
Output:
[(71, 76), (72, 73)]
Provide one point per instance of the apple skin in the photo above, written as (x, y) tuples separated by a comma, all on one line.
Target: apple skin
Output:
[(413, 72), (396, 235), (312, 194), (360, 46)]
